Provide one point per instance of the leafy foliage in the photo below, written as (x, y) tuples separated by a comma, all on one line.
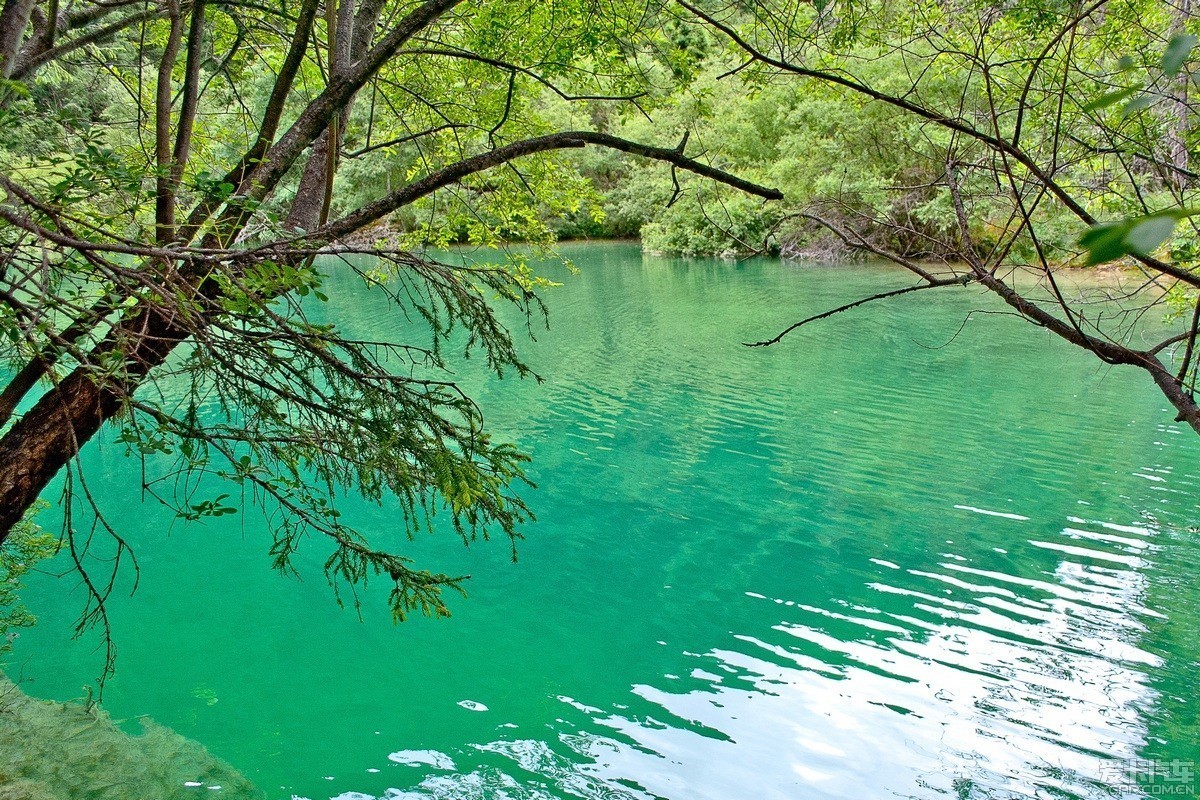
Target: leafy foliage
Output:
[(27, 545), (182, 180)]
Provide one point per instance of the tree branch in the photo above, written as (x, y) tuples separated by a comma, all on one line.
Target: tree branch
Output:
[(935, 284), (558, 141)]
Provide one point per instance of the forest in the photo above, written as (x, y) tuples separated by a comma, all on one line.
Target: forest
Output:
[(285, 258)]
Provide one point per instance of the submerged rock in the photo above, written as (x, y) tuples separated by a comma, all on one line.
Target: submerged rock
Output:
[(65, 751)]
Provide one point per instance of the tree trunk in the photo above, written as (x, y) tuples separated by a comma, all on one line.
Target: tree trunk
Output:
[(50, 434), (14, 19), (308, 207), (1176, 113), (355, 32)]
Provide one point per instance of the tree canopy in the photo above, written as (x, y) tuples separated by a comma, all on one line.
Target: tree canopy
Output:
[(178, 175)]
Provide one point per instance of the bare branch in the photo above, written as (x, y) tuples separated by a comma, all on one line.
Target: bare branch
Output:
[(936, 284)]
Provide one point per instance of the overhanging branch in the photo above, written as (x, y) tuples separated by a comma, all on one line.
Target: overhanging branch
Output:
[(935, 284), (453, 173)]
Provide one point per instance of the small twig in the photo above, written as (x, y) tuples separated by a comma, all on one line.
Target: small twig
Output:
[(1191, 342), (962, 281)]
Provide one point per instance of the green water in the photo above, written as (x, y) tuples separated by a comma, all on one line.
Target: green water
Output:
[(859, 564)]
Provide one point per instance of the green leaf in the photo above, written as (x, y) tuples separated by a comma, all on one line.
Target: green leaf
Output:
[(1177, 52), (1104, 242), (1143, 237), (1111, 98), (17, 88), (1138, 103), (1136, 236)]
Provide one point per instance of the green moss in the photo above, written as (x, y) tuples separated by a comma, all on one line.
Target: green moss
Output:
[(66, 751)]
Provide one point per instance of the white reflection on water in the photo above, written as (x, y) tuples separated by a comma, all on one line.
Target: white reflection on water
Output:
[(1024, 687), (983, 685)]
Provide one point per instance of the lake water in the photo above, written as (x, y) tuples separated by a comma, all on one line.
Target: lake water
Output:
[(869, 562)]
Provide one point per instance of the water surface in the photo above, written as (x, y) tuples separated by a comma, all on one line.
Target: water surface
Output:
[(877, 560)]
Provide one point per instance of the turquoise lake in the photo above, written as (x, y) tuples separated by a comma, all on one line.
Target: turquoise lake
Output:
[(884, 558)]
